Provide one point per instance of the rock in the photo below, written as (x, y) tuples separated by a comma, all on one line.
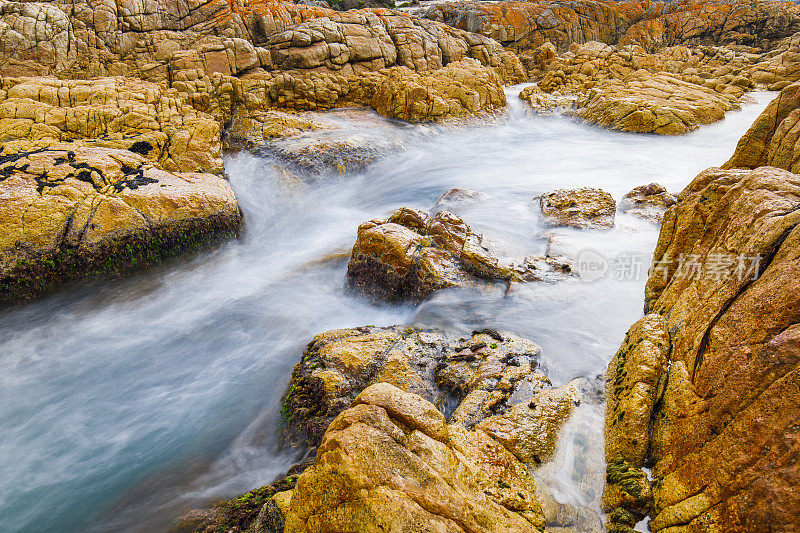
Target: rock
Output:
[(530, 430), (548, 103), (723, 437), (654, 103), (527, 25), (579, 208), (635, 380), (411, 255), (459, 89), (480, 372), (260, 510), (74, 212), (773, 138), (648, 202), (121, 113), (459, 197), (378, 469)]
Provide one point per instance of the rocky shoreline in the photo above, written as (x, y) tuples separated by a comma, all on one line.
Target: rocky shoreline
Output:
[(113, 121)]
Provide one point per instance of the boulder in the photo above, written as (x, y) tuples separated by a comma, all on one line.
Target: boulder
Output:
[(385, 464), (411, 255), (579, 208), (468, 378), (461, 88), (648, 202), (654, 103), (77, 211)]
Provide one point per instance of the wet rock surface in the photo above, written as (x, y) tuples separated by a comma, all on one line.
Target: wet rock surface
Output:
[(579, 208), (773, 139), (648, 202), (73, 211), (423, 428), (468, 379), (411, 255)]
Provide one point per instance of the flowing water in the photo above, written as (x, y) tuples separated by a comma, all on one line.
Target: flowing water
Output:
[(123, 404)]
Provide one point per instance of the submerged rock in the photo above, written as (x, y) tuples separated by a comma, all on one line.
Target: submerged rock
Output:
[(72, 212), (579, 208), (459, 197), (648, 202), (411, 255)]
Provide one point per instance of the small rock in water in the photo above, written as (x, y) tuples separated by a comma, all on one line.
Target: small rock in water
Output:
[(412, 255), (648, 202), (459, 197), (580, 208)]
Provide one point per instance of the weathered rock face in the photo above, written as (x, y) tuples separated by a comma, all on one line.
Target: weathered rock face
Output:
[(478, 374), (412, 255), (654, 103), (579, 208), (115, 113), (75, 211), (774, 138), (524, 25), (724, 431), (391, 462), (648, 202), (460, 89), (625, 88), (414, 430), (635, 380)]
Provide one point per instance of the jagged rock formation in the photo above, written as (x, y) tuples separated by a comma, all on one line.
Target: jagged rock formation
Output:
[(579, 208), (392, 462), (648, 202), (654, 103), (669, 92), (411, 255), (256, 54), (168, 77), (388, 457), (122, 113), (100, 177), (724, 311), (524, 25), (478, 374)]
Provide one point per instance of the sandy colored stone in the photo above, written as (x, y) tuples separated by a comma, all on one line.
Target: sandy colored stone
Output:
[(774, 137), (338, 365), (579, 208), (377, 469), (648, 202), (723, 438), (530, 430), (71, 212), (664, 104)]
